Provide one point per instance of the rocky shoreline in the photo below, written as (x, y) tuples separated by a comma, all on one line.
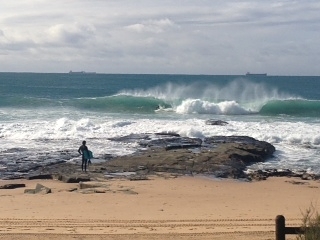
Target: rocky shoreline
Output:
[(218, 156)]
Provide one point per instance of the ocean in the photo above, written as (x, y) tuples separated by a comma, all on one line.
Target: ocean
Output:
[(43, 115)]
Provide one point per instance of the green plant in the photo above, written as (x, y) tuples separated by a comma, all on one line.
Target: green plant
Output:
[(310, 224)]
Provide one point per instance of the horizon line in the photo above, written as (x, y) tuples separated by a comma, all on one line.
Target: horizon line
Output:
[(190, 74)]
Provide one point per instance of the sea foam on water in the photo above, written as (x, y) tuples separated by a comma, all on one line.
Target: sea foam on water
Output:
[(40, 125)]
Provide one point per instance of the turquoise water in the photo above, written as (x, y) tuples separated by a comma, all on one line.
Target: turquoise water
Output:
[(49, 112), (294, 96)]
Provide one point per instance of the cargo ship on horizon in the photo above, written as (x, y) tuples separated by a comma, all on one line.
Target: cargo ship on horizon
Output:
[(256, 74), (81, 72)]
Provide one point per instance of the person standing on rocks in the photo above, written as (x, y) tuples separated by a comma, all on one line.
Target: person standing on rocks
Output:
[(83, 150)]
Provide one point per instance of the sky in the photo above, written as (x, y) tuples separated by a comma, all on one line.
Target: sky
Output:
[(161, 36)]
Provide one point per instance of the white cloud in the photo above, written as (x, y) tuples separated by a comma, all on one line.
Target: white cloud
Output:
[(182, 36), (153, 26)]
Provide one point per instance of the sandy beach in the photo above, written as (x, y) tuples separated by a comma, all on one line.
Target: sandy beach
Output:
[(158, 208)]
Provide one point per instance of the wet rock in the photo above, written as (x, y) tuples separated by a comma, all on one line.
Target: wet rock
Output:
[(170, 134), (216, 122), (25, 168), (257, 175), (130, 138), (264, 174), (222, 156), (170, 143), (247, 144)]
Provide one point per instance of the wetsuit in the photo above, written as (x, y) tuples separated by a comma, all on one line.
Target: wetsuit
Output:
[(81, 150)]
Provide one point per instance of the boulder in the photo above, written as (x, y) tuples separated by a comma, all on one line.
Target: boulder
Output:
[(40, 189), (85, 185)]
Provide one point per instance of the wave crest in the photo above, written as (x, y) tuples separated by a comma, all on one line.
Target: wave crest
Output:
[(204, 107), (292, 107)]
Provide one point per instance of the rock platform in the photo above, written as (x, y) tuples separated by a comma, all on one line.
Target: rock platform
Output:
[(223, 157)]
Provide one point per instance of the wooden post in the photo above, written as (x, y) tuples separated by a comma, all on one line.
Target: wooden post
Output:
[(280, 228)]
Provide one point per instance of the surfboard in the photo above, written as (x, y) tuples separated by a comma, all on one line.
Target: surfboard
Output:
[(88, 154)]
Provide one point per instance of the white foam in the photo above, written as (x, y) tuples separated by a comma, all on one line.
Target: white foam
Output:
[(204, 107), (294, 141)]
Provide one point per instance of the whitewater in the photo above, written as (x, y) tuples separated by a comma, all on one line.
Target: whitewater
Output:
[(44, 114)]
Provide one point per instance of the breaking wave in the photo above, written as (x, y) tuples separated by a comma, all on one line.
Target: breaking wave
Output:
[(240, 97)]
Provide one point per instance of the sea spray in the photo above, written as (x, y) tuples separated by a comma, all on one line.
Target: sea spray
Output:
[(237, 97)]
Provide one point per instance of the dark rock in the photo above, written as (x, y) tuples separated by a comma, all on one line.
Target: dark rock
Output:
[(216, 122), (72, 189), (41, 176), (11, 176), (130, 138), (258, 175), (12, 186), (264, 174), (172, 147), (171, 134), (247, 144), (73, 179), (222, 156), (170, 143), (279, 173)]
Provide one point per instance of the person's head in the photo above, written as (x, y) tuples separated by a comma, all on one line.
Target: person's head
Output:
[(84, 142)]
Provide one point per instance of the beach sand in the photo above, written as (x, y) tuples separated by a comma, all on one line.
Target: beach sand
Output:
[(158, 208)]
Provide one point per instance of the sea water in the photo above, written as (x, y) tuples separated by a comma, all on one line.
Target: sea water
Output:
[(42, 114)]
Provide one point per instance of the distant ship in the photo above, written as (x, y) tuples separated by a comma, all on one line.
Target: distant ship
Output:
[(81, 72), (255, 74)]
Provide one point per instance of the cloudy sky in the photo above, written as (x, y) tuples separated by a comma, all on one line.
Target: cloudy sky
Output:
[(161, 36)]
